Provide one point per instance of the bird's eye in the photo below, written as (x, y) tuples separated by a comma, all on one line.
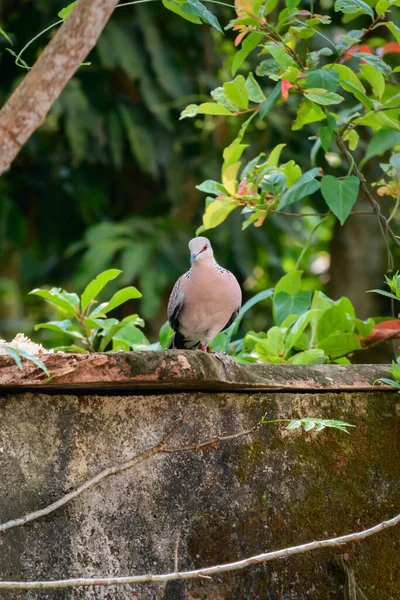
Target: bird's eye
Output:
[(205, 247)]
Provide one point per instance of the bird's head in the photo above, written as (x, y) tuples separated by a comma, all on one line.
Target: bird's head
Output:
[(200, 249)]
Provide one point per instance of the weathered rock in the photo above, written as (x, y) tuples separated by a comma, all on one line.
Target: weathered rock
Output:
[(256, 493), (179, 369)]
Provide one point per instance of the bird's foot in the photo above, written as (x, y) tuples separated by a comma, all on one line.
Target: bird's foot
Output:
[(203, 347)]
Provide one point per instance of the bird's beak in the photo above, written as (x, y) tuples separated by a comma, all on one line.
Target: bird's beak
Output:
[(192, 258)]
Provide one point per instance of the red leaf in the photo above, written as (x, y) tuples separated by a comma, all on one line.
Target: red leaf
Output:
[(361, 48), (239, 37), (387, 48), (242, 187), (286, 85), (382, 331)]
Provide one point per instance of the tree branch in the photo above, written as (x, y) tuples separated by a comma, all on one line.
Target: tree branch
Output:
[(207, 571), (28, 106)]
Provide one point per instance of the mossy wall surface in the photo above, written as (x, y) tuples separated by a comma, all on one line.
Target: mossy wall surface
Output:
[(250, 495)]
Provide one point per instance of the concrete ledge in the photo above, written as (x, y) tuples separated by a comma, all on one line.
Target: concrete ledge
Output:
[(182, 370)]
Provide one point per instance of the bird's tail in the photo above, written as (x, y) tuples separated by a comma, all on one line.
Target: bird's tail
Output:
[(178, 342)]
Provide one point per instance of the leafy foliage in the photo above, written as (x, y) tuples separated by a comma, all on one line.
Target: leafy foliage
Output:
[(87, 322), (395, 372), (308, 328), (310, 423), (17, 354), (316, 83)]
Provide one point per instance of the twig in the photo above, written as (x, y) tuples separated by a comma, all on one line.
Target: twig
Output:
[(215, 441), (207, 571), (308, 243), (394, 211), (327, 214), (157, 449), (383, 223)]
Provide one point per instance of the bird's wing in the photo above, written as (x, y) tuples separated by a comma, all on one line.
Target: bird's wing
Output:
[(233, 317), (175, 303)]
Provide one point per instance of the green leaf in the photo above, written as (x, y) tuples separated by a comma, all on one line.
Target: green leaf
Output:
[(193, 11), (381, 6), (300, 325), (384, 293), (236, 91), (130, 335), (395, 161), (210, 108), (65, 12), (352, 137), (340, 195), (217, 211), (394, 30), (94, 288), (321, 96), (211, 187), (165, 335), (365, 328), (286, 305), (190, 111), (289, 283), (308, 113), (375, 78), (327, 79), (292, 173), (326, 133), (128, 293), (309, 357), (64, 327), (219, 95), (3, 33), (346, 75), (391, 382), (380, 143), (305, 186), (378, 120), (282, 58), (60, 298), (205, 15), (229, 177), (339, 318), (271, 100), (16, 355), (295, 424), (340, 344), (352, 7), (373, 60), (349, 87), (248, 45), (273, 158), (255, 92)]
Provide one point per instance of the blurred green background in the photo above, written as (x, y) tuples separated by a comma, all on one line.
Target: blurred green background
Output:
[(109, 178)]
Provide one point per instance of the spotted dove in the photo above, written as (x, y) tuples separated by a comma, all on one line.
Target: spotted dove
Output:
[(204, 301)]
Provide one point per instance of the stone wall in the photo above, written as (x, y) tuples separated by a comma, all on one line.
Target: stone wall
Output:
[(227, 501)]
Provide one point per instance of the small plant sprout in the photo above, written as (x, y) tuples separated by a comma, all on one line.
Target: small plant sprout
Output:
[(309, 423)]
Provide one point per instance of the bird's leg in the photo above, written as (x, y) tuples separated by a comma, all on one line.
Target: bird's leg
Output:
[(203, 347)]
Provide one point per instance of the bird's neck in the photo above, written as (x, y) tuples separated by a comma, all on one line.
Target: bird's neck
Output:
[(205, 263)]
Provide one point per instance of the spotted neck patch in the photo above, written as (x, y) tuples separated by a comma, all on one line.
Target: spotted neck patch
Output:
[(188, 274), (219, 268)]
